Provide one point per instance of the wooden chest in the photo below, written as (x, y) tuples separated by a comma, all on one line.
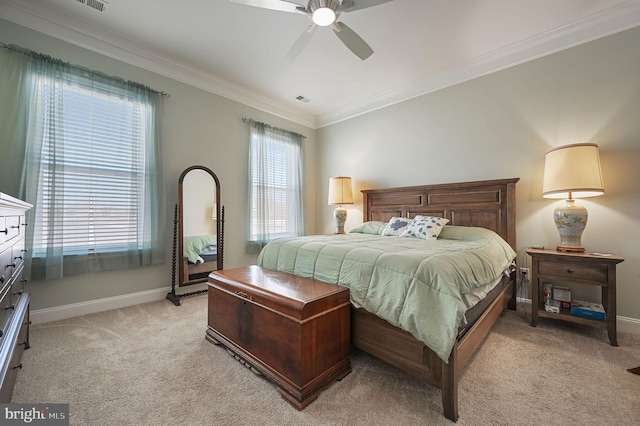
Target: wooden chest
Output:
[(293, 330)]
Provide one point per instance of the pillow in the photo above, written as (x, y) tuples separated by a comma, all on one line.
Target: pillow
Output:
[(425, 227), (373, 227), (396, 226)]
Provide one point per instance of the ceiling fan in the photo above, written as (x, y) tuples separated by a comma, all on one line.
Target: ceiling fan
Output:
[(323, 13)]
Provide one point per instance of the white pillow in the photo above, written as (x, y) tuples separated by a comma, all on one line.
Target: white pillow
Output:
[(425, 227), (396, 226)]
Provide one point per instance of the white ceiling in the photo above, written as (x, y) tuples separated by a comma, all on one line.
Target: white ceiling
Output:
[(239, 51)]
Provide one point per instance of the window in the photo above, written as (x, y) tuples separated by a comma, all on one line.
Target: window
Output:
[(92, 171), (93, 167), (275, 192)]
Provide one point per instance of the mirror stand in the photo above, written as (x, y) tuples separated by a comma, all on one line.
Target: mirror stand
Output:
[(198, 231)]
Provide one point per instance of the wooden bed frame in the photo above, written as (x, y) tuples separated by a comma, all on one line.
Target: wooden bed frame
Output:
[(488, 204)]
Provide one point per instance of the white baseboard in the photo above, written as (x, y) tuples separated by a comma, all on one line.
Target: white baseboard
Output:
[(628, 325), (624, 324), (57, 313)]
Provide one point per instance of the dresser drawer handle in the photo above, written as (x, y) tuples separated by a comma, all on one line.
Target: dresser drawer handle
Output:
[(6, 231), (24, 250), (18, 292), (18, 257), (244, 295), (18, 366), (570, 271), (15, 226), (10, 307), (24, 224), (1, 279), (11, 265)]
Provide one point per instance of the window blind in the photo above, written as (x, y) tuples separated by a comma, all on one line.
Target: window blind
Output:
[(93, 168)]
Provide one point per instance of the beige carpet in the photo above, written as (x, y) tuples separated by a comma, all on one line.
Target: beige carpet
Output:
[(150, 365)]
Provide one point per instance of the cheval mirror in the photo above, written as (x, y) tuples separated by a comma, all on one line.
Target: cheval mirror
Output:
[(198, 234)]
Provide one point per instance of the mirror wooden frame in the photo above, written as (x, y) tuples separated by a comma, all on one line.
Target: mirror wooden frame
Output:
[(186, 270)]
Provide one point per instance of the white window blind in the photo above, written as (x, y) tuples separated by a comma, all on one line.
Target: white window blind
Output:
[(272, 180), (93, 167)]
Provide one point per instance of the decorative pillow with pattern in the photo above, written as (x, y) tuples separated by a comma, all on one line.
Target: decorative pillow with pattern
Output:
[(425, 227), (396, 226)]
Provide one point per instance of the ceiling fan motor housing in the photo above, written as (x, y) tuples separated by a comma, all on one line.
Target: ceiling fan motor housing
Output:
[(319, 4)]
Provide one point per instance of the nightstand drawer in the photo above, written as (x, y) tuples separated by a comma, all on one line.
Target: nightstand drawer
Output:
[(569, 270)]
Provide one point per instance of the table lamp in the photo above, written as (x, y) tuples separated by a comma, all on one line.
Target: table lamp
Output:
[(572, 171), (340, 193)]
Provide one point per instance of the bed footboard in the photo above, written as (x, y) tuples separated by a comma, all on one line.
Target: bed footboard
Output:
[(400, 349)]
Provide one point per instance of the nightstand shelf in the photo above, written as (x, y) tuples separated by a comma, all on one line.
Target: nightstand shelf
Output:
[(575, 268)]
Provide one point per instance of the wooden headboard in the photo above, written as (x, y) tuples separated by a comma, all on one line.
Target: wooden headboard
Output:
[(488, 204)]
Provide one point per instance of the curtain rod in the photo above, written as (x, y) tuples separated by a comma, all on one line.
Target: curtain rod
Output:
[(34, 54), (244, 120)]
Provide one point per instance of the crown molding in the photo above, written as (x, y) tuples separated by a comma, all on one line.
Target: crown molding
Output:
[(79, 34), (618, 18), (610, 21)]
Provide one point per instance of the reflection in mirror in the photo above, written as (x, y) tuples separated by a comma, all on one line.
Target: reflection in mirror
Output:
[(198, 229), (199, 234)]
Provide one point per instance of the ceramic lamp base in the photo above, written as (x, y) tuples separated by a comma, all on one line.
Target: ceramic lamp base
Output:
[(340, 216), (570, 221)]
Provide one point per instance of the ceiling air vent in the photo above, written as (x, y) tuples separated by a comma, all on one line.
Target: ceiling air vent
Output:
[(98, 5)]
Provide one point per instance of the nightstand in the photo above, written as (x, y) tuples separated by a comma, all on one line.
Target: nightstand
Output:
[(576, 268)]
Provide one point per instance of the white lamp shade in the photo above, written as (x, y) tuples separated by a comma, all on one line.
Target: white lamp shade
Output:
[(572, 171), (340, 190)]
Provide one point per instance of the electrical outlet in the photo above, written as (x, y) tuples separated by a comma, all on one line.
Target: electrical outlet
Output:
[(524, 273)]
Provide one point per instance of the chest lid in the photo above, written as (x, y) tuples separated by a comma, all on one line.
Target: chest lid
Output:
[(298, 297)]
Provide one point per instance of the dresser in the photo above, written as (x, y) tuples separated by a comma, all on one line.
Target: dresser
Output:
[(14, 301)]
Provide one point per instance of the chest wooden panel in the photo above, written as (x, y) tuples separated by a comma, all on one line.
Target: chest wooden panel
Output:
[(293, 330)]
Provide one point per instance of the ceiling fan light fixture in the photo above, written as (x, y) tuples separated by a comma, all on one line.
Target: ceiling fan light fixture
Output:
[(323, 16)]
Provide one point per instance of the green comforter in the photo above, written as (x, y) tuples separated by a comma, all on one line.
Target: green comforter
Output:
[(413, 284)]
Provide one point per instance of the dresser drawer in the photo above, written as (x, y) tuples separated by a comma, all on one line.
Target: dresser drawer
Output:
[(17, 287), (12, 226), (5, 266), (572, 271), (17, 254), (3, 229), (15, 341), (9, 382), (5, 309)]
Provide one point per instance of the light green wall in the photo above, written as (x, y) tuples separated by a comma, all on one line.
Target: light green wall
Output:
[(198, 128), (495, 126), (500, 126)]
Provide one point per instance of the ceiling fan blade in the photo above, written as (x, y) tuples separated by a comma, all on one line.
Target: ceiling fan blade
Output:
[(351, 5), (353, 41), (283, 6), (301, 42)]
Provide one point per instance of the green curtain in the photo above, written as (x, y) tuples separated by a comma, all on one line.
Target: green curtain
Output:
[(27, 116)]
